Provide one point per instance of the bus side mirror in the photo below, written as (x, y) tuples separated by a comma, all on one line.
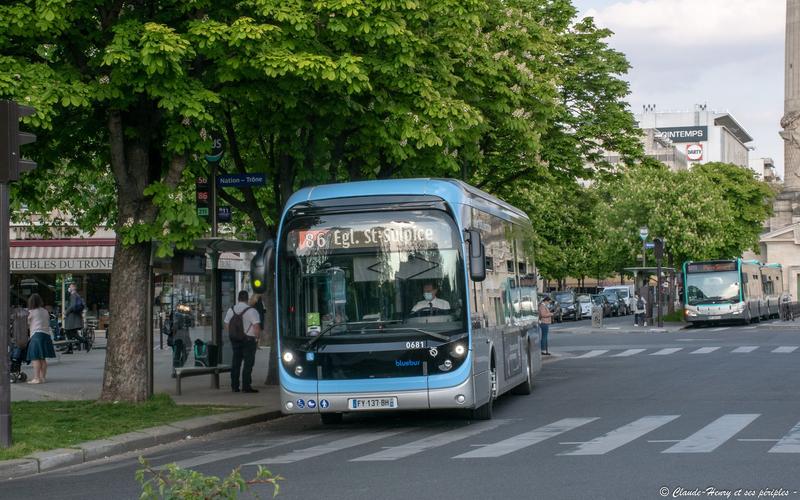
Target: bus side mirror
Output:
[(477, 256), (262, 266)]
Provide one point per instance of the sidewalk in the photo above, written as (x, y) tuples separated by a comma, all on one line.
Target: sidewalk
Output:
[(586, 327), (80, 376)]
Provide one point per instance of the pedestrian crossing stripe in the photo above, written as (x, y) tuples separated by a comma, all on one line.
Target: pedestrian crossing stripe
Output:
[(526, 439), (707, 439), (790, 443), (667, 351), (622, 436), (714, 435), (444, 438)]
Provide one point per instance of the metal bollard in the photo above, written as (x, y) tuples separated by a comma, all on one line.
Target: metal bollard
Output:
[(597, 317)]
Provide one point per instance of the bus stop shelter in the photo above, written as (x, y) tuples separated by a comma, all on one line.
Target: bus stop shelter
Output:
[(214, 290)]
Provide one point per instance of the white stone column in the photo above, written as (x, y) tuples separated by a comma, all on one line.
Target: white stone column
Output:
[(791, 118)]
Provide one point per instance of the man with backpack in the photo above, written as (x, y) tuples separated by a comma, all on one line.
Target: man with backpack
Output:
[(639, 316), (73, 322), (243, 325)]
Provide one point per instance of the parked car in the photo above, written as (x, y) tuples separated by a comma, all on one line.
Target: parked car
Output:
[(569, 305), (617, 302), (602, 301), (585, 304), (555, 308), (624, 291)]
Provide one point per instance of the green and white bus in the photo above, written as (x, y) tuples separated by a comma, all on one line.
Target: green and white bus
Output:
[(731, 290)]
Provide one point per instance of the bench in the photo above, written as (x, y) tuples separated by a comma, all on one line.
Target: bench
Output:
[(191, 371)]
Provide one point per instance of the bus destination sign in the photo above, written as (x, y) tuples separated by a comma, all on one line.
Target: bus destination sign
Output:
[(391, 237), (711, 267)]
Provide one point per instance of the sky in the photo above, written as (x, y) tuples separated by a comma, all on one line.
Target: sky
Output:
[(728, 54)]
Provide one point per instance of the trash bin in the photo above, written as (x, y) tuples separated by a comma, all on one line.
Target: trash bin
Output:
[(597, 317)]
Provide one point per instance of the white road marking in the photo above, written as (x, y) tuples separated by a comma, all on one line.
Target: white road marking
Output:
[(217, 456), (667, 351), (621, 436), (592, 354), (790, 443), (712, 436), (663, 440), (444, 438), (629, 352), (785, 349), (704, 350), (746, 348), (719, 329), (757, 440), (527, 439), (331, 447)]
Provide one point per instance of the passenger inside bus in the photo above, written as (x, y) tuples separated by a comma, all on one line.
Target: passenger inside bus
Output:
[(430, 305)]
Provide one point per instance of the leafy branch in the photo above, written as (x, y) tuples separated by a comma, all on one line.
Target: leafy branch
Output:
[(173, 483)]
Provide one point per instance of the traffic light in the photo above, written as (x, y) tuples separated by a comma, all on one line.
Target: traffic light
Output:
[(262, 267), (658, 248), (11, 161)]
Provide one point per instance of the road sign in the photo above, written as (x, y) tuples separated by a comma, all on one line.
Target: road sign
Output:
[(201, 193), (223, 214), (241, 180), (649, 245), (643, 232)]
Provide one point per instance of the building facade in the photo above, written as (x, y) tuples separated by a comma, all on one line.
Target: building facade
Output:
[(703, 135)]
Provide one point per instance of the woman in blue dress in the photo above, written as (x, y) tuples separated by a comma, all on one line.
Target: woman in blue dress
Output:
[(40, 346)]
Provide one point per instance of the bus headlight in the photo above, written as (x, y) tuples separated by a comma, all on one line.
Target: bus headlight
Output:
[(288, 357), (459, 350)]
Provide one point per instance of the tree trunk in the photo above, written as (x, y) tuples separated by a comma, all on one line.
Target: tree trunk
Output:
[(125, 374)]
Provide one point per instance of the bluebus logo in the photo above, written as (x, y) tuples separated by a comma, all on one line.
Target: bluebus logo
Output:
[(400, 363)]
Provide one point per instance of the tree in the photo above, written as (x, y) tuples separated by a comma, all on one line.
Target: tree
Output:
[(698, 216), (749, 200), (128, 90), (502, 94)]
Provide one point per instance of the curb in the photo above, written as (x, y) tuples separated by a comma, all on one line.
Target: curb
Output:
[(101, 448)]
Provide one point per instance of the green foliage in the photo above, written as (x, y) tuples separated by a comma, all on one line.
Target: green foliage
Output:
[(176, 483), (508, 95), (749, 200), (698, 212)]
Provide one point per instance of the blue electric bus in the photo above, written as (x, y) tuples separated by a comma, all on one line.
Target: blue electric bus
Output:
[(401, 295), (736, 289)]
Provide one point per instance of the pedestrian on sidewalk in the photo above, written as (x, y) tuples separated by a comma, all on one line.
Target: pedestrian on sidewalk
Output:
[(40, 345), (640, 305), (243, 325), (545, 319), (73, 322)]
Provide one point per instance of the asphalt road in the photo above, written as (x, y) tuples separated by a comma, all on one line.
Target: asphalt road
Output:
[(700, 413)]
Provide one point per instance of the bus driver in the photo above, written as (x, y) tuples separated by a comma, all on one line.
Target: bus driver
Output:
[(430, 305)]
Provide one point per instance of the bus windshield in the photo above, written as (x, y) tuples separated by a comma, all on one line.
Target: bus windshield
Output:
[(372, 275), (712, 288)]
